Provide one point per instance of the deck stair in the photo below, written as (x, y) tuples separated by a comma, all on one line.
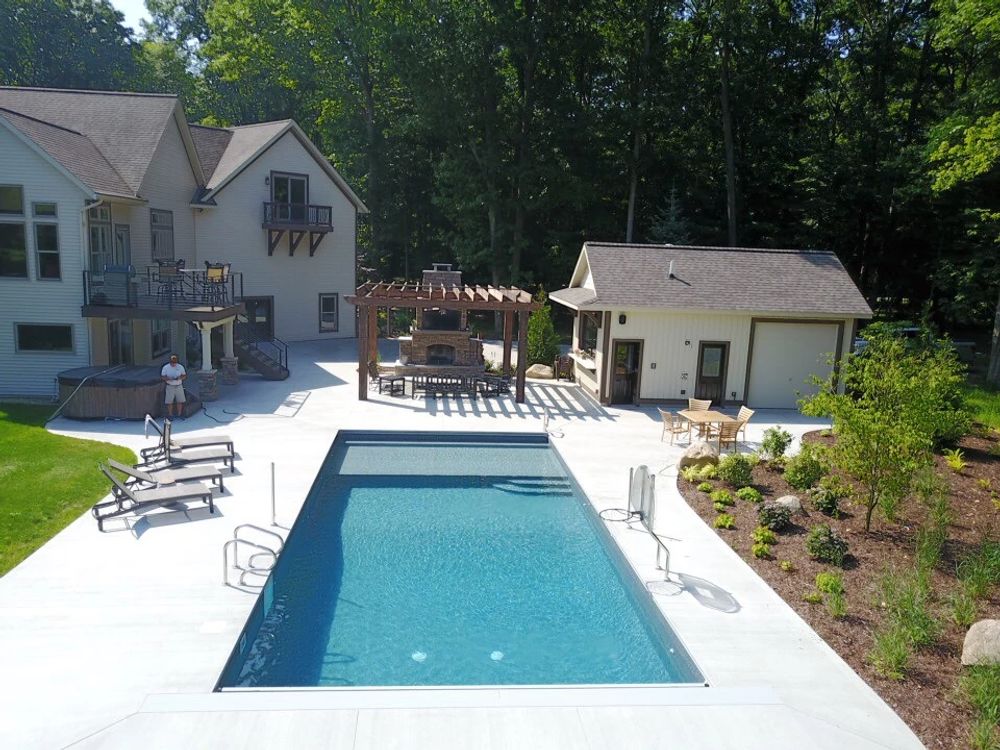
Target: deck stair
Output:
[(264, 354)]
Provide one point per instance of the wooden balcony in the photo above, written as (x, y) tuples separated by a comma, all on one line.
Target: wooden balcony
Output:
[(297, 219), (125, 292)]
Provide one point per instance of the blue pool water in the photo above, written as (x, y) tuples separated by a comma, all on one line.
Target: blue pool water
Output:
[(451, 560)]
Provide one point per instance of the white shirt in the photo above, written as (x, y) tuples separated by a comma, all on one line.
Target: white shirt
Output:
[(173, 373)]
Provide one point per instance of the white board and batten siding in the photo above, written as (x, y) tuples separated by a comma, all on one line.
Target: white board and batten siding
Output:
[(785, 353), (33, 300), (296, 282)]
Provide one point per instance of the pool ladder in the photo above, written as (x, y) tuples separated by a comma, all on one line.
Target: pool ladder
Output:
[(259, 562)]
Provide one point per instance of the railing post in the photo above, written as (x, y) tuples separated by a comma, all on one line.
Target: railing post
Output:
[(274, 509)]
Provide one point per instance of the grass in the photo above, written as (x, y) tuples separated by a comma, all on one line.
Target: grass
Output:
[(981, 687), (46, 480), (985, 405)]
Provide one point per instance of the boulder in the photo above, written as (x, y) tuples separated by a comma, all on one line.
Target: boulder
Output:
[(699, 454), (982, 643), (540, 372), (791, 502)]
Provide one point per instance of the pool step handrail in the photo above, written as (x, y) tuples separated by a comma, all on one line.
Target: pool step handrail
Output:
[(642, 504), (251, 566)]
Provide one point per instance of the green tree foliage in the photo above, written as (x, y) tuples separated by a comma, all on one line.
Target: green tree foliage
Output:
[(543, 343), (900, 398)]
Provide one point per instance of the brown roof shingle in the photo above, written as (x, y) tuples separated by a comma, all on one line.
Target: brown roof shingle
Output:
[(717, 278)]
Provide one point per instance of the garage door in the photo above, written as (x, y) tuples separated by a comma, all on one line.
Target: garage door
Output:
[(785, 357)]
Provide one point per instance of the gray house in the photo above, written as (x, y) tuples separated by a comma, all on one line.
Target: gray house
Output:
[(734, 325)]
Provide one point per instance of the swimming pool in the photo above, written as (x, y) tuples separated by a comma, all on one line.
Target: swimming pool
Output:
[(451, 559)]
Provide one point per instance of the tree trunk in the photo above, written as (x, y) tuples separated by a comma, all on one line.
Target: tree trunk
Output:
[(993, 371), (727, 136), (633, 186)]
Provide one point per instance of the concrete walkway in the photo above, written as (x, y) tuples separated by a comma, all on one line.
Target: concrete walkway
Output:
[(115, 640)]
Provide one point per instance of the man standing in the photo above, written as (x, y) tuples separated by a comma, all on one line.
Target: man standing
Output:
[(174, 375)]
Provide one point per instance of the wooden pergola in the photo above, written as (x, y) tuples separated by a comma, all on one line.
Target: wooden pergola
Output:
[(507, 300)]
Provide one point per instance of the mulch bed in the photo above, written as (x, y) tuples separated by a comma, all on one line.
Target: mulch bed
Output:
[(926, 699)]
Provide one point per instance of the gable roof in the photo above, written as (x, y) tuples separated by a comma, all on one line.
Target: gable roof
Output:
[(125, 127), (210, 143), (248, 142), (71, 152), (713, 278)]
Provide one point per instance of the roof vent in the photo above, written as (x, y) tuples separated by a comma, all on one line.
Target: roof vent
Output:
[(670, 273)]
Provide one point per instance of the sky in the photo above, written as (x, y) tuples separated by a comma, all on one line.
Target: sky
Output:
[(133, 11)]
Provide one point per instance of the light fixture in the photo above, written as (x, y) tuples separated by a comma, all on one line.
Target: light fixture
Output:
[(267, 180), (621, 319), (687, 343)]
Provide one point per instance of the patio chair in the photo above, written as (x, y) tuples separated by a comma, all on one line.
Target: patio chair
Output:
[(395, 383), (170, 285), (744, 417), (699, 404), (728, 434), (173, 454), (126, 500), (163, 476), (673, 424), (181, 443), (215, 289), (563, 368)]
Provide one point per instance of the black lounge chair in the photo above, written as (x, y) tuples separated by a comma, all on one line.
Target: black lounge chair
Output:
[(203, 441), (395, 383), (146, 478), (182, 456), (127, 500)]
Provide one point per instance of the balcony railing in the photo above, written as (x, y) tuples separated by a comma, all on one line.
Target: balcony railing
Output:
[(298, 215), (124, 286)]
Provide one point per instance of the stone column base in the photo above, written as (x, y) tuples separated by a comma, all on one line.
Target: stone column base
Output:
[(230, 370), (208, 387)]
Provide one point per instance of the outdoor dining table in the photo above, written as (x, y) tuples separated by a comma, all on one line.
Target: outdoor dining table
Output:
[(704, 419)]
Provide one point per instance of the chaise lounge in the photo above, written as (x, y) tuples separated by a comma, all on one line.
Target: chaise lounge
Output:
[(158, 477), (202, 441), (127, 501), (174, 455)]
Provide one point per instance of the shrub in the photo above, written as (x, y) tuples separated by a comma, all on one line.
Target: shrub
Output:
[(705, 487), (830, 582), (773, 516), (826, 545), (955, 459), (813, 597), (724, 521), (749, 494), (708, 471), (543, 343), (804, 469), (775, 442), (736, 469), (787, 566), (690, 473), (723, 497), (764, 535), (761, 550), (720, 507), (826, 495)]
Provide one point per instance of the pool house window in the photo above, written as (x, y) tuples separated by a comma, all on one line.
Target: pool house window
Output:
[(41, 337), (160, 336), (46, 241), (101, 248), (589, 327), (162, 232), (328, 317)]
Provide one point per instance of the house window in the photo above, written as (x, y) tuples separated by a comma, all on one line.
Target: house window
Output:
[(290, 194), (13, 251), (328, 318), (589, 327), (11, 199), (162, 230), (101, 248), (34, 337), (47, 251), (44, 209), (160, 336)]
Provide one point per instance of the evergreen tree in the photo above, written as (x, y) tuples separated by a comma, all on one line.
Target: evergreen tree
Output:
[(543, 343), (670, 226)]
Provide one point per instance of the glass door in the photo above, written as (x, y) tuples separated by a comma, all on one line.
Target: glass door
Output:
[(291, 193), (625, 372), (711, 383), (123, 245), (119, 342)]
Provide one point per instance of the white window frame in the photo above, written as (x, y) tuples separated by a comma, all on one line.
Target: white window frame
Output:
[(100, 227), (46, 220), (160, 328), (72, 338), (161, 233), (27, 254), (325, 327), (14, 213)]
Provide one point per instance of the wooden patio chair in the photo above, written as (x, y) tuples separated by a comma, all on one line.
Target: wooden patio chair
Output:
[(673, 424), (728, 434), (743, 417), (699, 404)]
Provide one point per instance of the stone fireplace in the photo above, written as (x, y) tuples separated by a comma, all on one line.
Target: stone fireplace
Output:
[(442, 337)]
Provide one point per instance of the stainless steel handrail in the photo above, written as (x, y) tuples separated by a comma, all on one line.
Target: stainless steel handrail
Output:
[(260, 547), (281, 541)]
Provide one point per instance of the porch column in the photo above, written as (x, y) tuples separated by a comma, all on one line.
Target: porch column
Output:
[(227, 337), (206, 347), (363, 353), (230, 365), (522, 354), (508, 338), (208, 387)]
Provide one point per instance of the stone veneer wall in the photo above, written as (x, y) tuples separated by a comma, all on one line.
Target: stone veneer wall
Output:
[(468, 350)]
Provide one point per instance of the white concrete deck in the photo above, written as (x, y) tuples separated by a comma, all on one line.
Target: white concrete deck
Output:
[(115, 640)]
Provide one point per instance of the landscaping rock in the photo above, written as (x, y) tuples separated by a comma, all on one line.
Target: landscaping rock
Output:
[(982, 643), (791, 502), (699, 454), (540, 372)]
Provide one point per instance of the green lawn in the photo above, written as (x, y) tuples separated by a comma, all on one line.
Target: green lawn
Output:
[(985, 405), (46, 480)]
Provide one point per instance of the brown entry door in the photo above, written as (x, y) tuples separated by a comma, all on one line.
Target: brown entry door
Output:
[(260, 315), (712, 361), (625, 372)]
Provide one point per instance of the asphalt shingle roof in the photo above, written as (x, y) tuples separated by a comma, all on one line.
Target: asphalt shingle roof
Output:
[(74, 151), (717, 278), (246, 140), (210, 144), (125, 127)]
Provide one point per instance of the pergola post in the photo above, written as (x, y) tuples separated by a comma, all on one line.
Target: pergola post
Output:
[(522, 354), (508, 339), (363, 352)]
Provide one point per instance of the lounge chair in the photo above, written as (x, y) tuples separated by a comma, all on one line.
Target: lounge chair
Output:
[(183, 442), (127, 500), (395, 383), (673, 424), (164, 476), (174, 455)]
